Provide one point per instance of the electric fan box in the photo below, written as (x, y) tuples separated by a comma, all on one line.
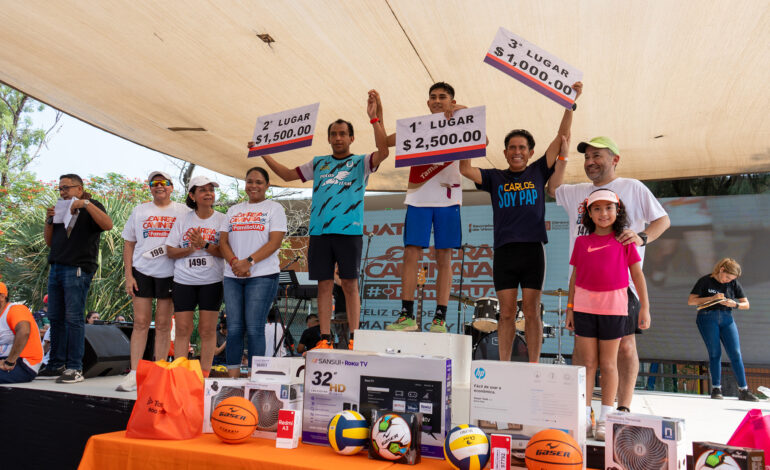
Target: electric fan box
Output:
[(520, 399), (644, 441), (337, 380), (269, 399), (217, 389), (281, 370)]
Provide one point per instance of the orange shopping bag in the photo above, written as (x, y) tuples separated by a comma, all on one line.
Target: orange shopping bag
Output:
[(169, 400)]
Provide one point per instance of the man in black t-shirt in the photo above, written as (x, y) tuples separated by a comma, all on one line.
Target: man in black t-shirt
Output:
[(518, 214), (311, 336), (74, 241)]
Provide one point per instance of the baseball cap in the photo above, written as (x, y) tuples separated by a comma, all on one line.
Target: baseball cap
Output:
[(600, 142), (159, 173), (200, 180), (3, 289), (602, 195), (45, 299)]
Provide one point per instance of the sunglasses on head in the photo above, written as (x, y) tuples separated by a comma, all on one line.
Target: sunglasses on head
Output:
[(156, 183)]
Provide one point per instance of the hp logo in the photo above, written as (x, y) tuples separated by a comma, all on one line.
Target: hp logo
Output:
[(480, 373)]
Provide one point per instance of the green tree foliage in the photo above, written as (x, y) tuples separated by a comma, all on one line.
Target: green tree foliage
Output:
[(24, 260), (20, 140)]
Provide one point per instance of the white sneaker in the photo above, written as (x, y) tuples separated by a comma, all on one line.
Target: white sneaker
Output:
[(599, 433), (128, 384)]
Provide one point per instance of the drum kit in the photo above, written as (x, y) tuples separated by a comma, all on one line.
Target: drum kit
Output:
[(483, 327)]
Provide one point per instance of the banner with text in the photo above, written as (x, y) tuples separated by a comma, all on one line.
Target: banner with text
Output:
[(535, 67), (434, 138), (286, 130)]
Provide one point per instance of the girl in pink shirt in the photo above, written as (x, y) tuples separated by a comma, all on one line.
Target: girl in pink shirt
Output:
[(598, 299)]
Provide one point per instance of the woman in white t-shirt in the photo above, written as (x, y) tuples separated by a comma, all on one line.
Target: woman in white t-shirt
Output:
[(194, 244), (149, 272), (251, 236)]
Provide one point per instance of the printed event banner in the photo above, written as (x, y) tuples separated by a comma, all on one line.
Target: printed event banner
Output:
[(286, 130)]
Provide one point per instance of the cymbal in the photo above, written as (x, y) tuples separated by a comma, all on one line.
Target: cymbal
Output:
[(462, 298), (557, 293)]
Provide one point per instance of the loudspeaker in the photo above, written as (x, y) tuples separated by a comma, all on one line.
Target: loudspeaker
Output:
[(149, 347), (107, 351)]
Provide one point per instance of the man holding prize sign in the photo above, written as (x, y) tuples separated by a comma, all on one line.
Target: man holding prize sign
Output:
[(337, 213), (518, 209), (433, 200)]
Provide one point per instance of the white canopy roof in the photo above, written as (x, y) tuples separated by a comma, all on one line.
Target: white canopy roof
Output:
[(679, 85)]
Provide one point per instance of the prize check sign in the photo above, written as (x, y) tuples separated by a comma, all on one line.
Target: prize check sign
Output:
[(534, 67), (283, 131), (434, 138)]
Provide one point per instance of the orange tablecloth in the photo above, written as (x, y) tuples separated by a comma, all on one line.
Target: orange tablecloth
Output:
[(116, 451)]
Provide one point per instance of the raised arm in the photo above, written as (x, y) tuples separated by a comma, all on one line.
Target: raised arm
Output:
[(557, 178), (469, 171), (374, 109), (283, 172), (565, 128)]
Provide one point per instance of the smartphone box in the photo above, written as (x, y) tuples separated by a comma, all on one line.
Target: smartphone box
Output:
[(289, 428), (710, 455), (500, 452)]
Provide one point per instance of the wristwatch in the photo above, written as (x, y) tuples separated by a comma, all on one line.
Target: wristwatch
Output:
[(86, 202), (206, 246), (9, 363), (251, 260), (643, 236)]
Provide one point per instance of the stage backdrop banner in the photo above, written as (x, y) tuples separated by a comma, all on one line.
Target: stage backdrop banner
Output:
[(703, 230)]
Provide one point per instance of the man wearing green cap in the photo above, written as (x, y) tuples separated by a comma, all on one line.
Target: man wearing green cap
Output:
[(647, 221)]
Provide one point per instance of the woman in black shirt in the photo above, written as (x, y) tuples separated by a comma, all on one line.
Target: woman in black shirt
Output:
[(715, 295)]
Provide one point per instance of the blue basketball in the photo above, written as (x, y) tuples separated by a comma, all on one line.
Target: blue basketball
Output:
[(348, 432), (467, 448)]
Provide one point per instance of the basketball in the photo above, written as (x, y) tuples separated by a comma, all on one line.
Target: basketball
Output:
[(234, 419), (348, 432), (552, 449), (466, 448)]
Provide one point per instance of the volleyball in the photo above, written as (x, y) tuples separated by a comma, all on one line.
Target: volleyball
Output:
[(348, 432), (466, 448)]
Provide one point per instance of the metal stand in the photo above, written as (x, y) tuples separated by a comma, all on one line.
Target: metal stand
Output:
[(460, 305), (363, 274)]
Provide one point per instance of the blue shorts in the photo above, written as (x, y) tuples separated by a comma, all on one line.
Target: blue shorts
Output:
[(445, 222)]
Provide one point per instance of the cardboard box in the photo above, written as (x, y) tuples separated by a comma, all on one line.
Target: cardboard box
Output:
[(337, 380), (635, 441), (289, 426), (216, 390), (269, 399), (520, 399), (282, 370), (459, 348), (710, 455)]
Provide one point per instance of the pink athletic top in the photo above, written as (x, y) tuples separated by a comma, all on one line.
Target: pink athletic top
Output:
[(601, 265)]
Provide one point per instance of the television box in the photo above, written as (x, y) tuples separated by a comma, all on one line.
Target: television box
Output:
[(217, 389), (269, 399), (459, 348), (710, 455), (636, 441), (282, 370), (337, 380), (520, 399)]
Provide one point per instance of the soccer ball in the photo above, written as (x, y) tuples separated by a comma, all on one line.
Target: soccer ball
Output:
[(348, 432), (716, 459), (391, 437)]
